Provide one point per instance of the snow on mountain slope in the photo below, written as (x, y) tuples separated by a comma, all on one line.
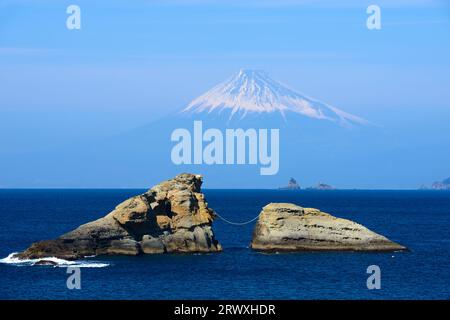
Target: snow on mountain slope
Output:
[(251, 91)]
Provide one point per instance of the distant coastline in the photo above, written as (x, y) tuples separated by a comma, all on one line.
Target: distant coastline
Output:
[(293, 185), (438, 185)]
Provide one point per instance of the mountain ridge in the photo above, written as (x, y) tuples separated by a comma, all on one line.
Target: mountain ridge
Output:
[(255, 92)]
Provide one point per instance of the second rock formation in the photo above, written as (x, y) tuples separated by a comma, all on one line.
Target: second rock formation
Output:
[(288, 227)]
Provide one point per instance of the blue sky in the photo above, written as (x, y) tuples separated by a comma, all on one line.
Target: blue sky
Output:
[(135, 61)]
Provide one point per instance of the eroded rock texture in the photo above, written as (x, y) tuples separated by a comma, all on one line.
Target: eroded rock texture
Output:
[(288, 227), (173, 216)]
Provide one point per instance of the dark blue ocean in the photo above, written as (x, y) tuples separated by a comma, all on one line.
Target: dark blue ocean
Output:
[(419, 220)]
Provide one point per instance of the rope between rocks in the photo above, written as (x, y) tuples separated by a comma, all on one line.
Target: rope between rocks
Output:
[(236, 223)]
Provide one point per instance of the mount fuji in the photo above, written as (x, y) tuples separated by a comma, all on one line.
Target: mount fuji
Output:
[(318, 142), (253, 92)]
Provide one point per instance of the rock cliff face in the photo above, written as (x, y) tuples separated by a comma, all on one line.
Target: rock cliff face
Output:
[(173, 216), (288, 227)]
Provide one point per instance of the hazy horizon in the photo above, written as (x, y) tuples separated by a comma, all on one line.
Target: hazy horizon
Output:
[(132, 64)]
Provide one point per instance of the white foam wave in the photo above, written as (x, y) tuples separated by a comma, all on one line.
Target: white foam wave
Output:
[(56, 262)]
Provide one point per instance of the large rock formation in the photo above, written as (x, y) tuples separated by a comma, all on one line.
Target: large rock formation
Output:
[(173, 216), (288, 227)]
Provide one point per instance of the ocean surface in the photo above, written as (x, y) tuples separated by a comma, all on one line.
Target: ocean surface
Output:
[(419, 220)]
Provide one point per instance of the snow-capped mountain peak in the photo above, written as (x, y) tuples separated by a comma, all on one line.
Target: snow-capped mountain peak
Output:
[(253, 91)]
